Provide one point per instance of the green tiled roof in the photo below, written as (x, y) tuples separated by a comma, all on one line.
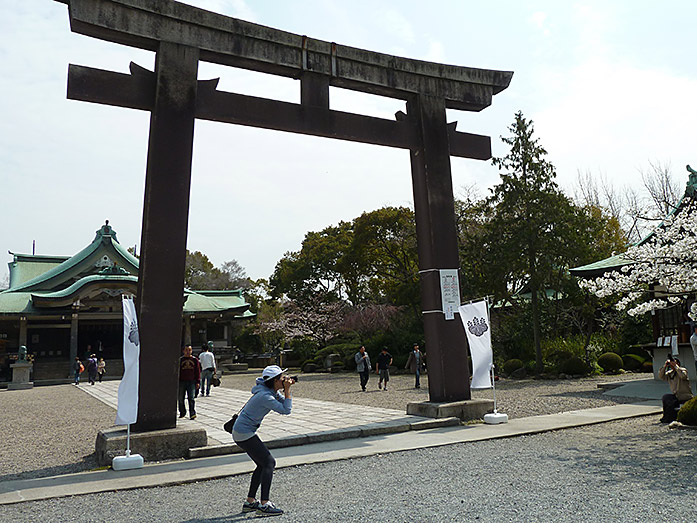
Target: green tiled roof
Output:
[(615, 262), (83, 263), (25, 267), (598, 268), (67, 279), (197, 301)]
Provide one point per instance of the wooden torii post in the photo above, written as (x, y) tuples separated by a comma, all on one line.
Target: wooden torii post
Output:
[(181, 36)]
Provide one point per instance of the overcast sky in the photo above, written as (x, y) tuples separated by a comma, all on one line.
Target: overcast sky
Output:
[(610, 86)]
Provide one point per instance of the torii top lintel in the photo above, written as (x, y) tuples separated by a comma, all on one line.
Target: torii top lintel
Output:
[(229, 41)]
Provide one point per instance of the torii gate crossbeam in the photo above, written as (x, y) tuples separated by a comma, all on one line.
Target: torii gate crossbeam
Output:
[(181, 36)]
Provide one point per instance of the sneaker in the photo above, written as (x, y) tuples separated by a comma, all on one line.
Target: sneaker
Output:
[(193, 416), (269, 509), (385, 387), (250, 507), (379, 385), (183, 415)]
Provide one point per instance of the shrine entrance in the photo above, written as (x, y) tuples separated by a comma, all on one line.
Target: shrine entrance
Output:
[(181, 36)]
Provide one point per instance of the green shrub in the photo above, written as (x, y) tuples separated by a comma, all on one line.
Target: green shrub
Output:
[(647, 366), (611, 362), (632, 362), (688, 412), (557, 357), (574, 366), (511, 366)]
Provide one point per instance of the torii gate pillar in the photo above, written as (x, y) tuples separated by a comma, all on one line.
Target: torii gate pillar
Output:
[(436, 234), (164, 231)]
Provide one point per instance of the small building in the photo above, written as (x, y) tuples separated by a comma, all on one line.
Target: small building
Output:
[(61, 307)]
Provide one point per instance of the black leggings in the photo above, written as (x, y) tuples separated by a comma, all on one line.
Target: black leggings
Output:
[(263, 474)]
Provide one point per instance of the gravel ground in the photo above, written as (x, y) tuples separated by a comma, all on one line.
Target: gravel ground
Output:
[(52, 430), (517, 398), (48, 431), (629, 470)]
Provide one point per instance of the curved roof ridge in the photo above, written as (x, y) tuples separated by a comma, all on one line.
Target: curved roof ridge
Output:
[(106, 237)]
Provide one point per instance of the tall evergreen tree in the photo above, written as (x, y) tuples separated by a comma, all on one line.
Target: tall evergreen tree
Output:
[(530, 226)]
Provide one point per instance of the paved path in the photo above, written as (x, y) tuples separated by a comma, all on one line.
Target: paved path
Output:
[(310, 417)]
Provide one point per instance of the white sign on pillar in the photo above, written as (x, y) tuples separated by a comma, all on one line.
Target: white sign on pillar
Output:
[(450, 292)]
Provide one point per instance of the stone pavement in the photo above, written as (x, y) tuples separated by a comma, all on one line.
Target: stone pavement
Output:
[(319, 420)]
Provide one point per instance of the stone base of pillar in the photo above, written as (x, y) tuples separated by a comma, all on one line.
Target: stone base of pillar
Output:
[(156, 445), (20, 376), (465, 410)]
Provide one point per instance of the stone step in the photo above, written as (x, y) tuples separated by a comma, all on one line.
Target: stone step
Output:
[(333, 435)]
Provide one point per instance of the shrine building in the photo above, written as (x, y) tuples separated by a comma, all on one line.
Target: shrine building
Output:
[(61, 307)]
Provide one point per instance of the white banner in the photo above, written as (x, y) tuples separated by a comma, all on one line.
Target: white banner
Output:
[(475, 319), (127, 409)]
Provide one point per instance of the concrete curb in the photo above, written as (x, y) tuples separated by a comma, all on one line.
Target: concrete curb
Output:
[(363, 431)]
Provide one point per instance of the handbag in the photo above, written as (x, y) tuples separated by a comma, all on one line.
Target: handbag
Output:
[(215, 381), (227, 427)]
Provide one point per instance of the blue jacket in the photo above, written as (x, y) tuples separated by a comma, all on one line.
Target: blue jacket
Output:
[(263, 400)]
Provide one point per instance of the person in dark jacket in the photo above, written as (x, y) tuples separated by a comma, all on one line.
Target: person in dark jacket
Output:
[(92, 368), (415, 363), (363, 366), (382, 368), (189, 380)]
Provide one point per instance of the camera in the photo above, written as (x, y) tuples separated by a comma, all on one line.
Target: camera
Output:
[(670, 357), (294, 378)]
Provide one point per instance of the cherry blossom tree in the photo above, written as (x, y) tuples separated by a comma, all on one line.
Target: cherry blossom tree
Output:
[(660, 271)]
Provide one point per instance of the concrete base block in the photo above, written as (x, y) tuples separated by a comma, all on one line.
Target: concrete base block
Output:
[(157, 445), (21, 371), (465, 410)]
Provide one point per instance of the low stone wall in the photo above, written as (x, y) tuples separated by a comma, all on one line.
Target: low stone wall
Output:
[(157, 445)]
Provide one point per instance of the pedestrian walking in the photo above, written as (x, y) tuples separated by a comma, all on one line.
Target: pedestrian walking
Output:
[(208, 367), (77, 369), (382, 368), (92, 369), (415, 362), (101, 369), (270, 392), (363, 366), (189, 379)]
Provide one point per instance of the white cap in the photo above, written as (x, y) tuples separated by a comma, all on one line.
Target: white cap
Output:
[(272, 371)]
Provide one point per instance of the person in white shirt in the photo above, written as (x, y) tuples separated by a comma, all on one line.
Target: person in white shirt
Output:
[(208, 368)]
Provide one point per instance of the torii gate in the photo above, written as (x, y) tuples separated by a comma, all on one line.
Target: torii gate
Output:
[(181, 35)]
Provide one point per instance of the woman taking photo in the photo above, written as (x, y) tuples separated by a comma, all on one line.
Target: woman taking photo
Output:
[(271, 392)]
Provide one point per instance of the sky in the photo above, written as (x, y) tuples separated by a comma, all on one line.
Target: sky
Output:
[(610, 87)]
